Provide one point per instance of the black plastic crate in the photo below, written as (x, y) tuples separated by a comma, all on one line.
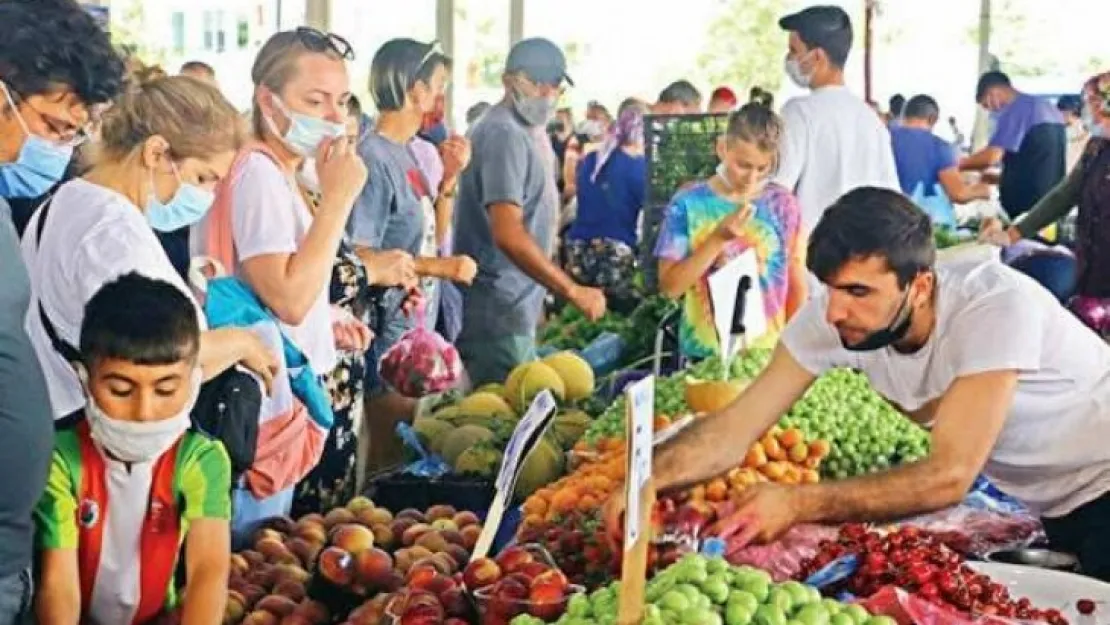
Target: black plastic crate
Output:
[(680, 149), (395, 490)]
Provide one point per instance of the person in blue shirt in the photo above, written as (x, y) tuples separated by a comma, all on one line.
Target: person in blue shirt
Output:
[(928, 170), (600, 246)]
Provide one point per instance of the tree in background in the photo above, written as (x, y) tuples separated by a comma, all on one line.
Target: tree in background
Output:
[(744, 45), (1016, 23), (128, 25)]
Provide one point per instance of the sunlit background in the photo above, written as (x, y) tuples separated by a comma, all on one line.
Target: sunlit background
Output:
[(619, 48)]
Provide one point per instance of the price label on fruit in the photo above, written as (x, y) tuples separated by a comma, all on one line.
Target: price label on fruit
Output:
[(641, 403), (524, 437)]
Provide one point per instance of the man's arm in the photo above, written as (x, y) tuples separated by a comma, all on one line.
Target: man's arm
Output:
[(697, 453), (206, 566), (970, 417), (58, 600), (983, 159), (512, 238), (960, 192), (792, 147)]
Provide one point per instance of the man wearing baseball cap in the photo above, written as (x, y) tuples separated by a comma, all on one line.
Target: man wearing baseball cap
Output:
[(506, 218)]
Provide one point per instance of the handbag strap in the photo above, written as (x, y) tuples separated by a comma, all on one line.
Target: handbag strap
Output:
[(67, 351)]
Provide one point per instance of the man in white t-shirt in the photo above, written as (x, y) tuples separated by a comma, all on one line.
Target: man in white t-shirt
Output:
[(1009, 382), (832, 141)]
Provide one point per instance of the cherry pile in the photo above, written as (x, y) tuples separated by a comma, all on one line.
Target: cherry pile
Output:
[(918, 562)]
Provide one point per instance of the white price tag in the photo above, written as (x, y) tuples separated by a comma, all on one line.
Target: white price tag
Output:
[(641, 402), (723, 287), (535, 420)]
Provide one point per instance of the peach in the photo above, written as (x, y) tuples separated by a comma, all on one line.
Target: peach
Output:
[(456, 621), (267, 532), (444, 563), (287, 558), (546, 602), (452, 536), (262, 575), (423, 615), (290, 588), (403, 560), (410, 536), (481, 573), (366, 517), (445, 525), (235, 608), (454, 602), (412, 513), (396, 582), (441, 511), (260, 617), (383, 536), (551, 577), (312, 532), (337, 566), (315, 610), (513, 558), (297, 619), (431, 561), (252, 557), (420, 575), (281, 524), (507, 597), (419, 553), (252, 593), (532, 569), (470, 534), (291, 572), (440, 584), (304, 550), (338, 516), (381, 515), (466, 518), (431, 540), (312, 517), (271, 548), (459, 554), (352, 537), (373, 567), (277, 605), (399, 527), (360, 503), (239, 564)]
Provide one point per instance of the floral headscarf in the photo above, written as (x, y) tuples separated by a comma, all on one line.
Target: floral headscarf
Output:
[(1096, 99), (629, 130)]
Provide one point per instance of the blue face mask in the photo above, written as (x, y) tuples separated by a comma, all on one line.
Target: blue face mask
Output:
[(436, 134), (185, 208), (40, 164), (306, 132)]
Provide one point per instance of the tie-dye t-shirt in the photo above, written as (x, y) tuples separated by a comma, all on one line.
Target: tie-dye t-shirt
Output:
[(772, 231)]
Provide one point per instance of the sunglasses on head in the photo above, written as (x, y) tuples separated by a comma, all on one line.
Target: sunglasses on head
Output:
[(319, 41)]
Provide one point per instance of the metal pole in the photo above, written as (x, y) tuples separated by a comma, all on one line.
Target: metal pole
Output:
[(979, 135), (445, 34), (318, 14), (868, 46), (516, 21)]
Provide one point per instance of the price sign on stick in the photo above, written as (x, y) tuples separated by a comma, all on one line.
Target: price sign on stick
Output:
[(724, 288), (527, 433), (639, 499)]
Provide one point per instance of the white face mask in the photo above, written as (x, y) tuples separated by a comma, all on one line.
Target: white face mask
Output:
[(794, 70), (137, 441)]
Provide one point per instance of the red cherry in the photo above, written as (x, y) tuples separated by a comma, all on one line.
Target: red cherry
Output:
[(930, 592), (1085, 606)]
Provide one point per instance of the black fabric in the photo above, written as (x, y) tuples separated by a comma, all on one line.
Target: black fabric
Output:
[(1092, 225), (176, 246), (227, 409), (1086, 533), (1031, 172)]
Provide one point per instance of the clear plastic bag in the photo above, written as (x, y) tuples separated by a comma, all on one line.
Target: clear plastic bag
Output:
[(783, 558), (908, 609), (421, 362), (977, 531)]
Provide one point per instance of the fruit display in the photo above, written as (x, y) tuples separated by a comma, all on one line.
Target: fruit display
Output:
[(698, 590), (357, 551), (866, 433), (919, 563), (571, 330), (520, 580), (565, 516)]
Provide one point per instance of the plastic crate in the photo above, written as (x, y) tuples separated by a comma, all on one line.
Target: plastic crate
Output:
[(679, 149), (396, 490)]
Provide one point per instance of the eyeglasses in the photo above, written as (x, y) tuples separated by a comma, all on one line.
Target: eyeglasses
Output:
[(62, 132), (319, 41)]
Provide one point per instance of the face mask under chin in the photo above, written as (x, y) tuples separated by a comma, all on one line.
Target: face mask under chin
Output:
[(891, 334)]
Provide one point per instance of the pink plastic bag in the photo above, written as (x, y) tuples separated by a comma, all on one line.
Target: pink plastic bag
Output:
[(908, 609), (976, 532), (783, 558), (421, 362)]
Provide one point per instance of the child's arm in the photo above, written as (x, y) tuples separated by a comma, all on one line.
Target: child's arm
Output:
[(58, 600), (206, 565)]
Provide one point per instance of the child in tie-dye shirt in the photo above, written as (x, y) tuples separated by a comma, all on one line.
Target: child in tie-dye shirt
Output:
[(711, 222)]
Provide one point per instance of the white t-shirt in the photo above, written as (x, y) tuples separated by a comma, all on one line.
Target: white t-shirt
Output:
[(832, 143), (1052, 453), (92, 236), (269, 216)]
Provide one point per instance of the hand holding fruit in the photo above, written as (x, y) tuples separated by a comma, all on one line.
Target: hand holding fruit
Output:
[(764, 512)]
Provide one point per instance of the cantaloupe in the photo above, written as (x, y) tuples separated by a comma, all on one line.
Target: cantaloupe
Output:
[(576, 373), (543, 466), (527, 380), (459, 439), (483, 460), (569, 426), (432, 432), (486, 404)]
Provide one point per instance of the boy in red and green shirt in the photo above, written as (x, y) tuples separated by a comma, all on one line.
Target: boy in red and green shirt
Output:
[(131, 483)]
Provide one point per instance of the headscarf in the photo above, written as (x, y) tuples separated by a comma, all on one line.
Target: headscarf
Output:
[(628, 130), (1096, 99)]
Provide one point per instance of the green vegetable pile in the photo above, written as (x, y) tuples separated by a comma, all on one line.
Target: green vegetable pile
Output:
[(670, 392), (570, 329), (698, 590), (948, 237), (866, 433)]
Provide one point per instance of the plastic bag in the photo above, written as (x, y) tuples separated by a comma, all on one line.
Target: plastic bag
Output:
[(783, 558), (978, 532), (421, 362), (908, 609)]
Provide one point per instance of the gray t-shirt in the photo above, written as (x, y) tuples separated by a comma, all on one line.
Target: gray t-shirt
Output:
[(392, 213), (26, 419), (508, 164)]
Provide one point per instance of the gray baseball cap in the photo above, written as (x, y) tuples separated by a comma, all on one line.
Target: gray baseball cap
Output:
[(540, 60)]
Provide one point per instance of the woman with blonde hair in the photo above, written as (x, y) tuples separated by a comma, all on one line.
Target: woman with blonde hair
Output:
[(164, 146), (278, 225)]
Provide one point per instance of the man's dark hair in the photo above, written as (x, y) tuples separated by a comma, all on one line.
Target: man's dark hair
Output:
[(475, 112), (197, 66), (396, 68), (141, 320), (897, 104), (823, 27), (921, 107), (680, 92), (354, 106), (989, 81), (871, 222), (1070, 103), (50, 43)]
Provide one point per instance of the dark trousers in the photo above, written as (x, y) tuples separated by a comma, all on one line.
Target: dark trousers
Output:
[(1056, 272), (1086, 533)]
